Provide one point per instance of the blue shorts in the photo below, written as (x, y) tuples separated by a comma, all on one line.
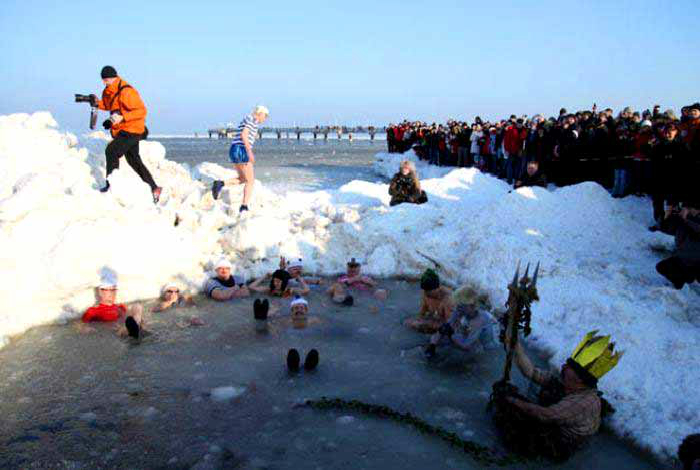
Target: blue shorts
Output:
[(237, 154)]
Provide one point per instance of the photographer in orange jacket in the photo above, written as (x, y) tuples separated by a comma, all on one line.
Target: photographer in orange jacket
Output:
[(127, 124)]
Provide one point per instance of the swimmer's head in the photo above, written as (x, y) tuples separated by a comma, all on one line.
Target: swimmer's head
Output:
[(298, 307), (279, 281), (170, 291), (353, 267), (429, 281), (107, 290), (295, 267), (223, 269), (468, 300)]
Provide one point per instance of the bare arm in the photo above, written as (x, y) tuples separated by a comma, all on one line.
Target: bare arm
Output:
[(304, 289), (257, 287), (222, 294)]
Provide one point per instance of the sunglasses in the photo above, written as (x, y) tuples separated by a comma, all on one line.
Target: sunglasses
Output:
[(111, 289)]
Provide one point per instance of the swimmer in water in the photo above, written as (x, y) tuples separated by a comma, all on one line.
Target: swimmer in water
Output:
[(171, 297), (279, 285), (353, 279), (436, 304), (469, 328), (108, 310), (225, 286)]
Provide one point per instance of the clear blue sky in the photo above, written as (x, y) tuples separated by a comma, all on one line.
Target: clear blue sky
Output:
[(201, 63)]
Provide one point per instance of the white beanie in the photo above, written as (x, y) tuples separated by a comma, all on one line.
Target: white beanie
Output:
[(107, 281), (298, 301), (295, 263), (223, 263), (646, 123)]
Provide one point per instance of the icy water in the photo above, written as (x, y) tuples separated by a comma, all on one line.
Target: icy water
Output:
[(219, 395), (285, 165)]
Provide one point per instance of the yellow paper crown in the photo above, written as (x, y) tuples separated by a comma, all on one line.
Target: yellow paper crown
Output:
[(596, 354)]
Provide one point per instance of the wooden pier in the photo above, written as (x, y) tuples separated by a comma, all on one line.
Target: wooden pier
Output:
[(318, 132)]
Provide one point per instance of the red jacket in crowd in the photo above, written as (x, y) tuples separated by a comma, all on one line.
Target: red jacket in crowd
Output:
[(513, 140)]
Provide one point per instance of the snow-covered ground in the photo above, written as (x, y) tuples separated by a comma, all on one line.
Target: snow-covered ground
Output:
[(58, 235)]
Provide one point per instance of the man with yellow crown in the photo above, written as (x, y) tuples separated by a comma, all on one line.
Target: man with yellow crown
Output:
[(569, 407)]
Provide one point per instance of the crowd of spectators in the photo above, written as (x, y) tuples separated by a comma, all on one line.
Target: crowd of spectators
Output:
[(650, 153)]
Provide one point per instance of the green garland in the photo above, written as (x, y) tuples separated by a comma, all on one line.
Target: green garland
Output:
[(476, 451)]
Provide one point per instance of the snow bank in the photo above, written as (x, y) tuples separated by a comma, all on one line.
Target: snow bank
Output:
[(58, 234)]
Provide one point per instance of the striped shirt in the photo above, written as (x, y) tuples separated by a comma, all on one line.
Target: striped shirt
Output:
[(249, 123)]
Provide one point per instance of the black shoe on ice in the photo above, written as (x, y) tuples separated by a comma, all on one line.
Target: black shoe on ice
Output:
[(105, 188), (293, 360), (311, 360), (216, 188)]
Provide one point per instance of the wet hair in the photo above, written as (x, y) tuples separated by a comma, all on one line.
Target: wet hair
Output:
[(283, 276), (689, 451)]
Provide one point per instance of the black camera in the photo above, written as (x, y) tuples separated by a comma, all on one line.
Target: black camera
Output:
[(92, 99)]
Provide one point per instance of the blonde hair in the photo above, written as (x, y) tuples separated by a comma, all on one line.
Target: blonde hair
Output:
[(412, 168), (260, 109), (472, 295)]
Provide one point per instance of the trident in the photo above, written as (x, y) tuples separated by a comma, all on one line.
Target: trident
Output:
[(521, 293)]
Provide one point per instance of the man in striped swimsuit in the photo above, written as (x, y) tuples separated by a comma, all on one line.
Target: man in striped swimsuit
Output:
[(241, 155)]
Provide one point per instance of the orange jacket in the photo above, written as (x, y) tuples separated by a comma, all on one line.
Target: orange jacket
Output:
[(128, 103)]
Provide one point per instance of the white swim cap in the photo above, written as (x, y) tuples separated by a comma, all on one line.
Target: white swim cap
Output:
[(260, 109), (107, 282), (223, 263), (295, 263), (298, 301)]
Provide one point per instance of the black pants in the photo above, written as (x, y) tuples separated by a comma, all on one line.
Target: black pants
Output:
[(128, 145)]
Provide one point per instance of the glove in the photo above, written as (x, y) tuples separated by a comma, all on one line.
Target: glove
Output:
[(107, 124), (116, 118), (93, 101)]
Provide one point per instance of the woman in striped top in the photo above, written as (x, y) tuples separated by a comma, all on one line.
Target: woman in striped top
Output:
[(241, 155)]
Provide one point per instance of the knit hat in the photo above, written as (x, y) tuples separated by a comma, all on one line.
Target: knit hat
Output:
[(430, 280), (694, 106), (646, 123), (107, 281), (108, 72), (298, 301), (295, 263), (223, 263)]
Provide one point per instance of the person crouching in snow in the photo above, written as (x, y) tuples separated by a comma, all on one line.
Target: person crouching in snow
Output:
[(469, 328), (108, 310), (405, 187), (435, 307), (225, 286), (684, 264), (171, 297)]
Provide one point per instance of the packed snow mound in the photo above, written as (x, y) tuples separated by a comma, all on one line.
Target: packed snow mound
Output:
[(58, 235)]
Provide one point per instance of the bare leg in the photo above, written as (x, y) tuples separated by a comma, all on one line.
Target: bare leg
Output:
[(247, 176)]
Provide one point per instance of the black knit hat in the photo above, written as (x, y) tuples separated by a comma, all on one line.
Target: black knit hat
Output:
[(108, 72), (430, 280)]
